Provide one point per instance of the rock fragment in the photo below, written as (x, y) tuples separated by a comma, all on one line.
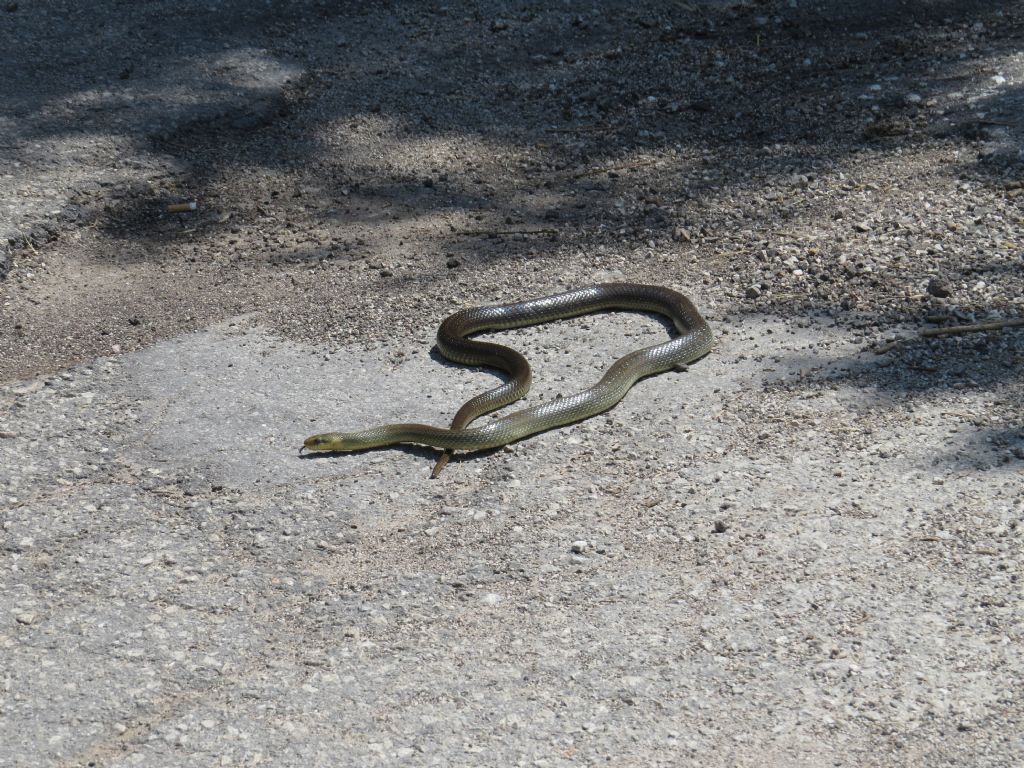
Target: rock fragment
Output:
[(939, 288)]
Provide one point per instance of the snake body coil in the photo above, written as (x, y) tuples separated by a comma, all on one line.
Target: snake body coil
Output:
[(694, 341)]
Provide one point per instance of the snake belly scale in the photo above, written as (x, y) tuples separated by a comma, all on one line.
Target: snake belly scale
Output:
[(693, 342)]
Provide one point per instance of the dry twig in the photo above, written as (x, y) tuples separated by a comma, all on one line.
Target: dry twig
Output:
[(490, 232), (994, 325)]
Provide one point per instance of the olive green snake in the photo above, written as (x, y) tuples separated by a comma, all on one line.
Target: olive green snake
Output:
[(693, 342)]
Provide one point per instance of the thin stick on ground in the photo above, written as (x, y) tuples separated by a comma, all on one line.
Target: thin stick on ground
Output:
[(496, 232), (994, 325)]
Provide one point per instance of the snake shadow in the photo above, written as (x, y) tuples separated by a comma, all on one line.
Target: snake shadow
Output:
[(419, 451)]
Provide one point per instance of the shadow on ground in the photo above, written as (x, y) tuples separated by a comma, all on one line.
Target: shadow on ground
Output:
[(324, 134), (972, 380), (684, 88)]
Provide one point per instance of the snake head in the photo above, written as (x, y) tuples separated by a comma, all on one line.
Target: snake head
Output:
[(329, 441)]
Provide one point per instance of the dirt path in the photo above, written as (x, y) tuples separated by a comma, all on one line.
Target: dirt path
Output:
[(806, 550)]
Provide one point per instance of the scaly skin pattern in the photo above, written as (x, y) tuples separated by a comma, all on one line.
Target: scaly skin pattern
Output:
[(695, 341)]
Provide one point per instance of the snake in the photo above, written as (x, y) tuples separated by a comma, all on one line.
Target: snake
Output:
[(694, 341)]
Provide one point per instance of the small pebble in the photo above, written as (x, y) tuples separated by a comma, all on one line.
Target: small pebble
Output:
[(940, 289)]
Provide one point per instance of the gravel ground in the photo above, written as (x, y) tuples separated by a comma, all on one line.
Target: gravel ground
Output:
[(804, 551)]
